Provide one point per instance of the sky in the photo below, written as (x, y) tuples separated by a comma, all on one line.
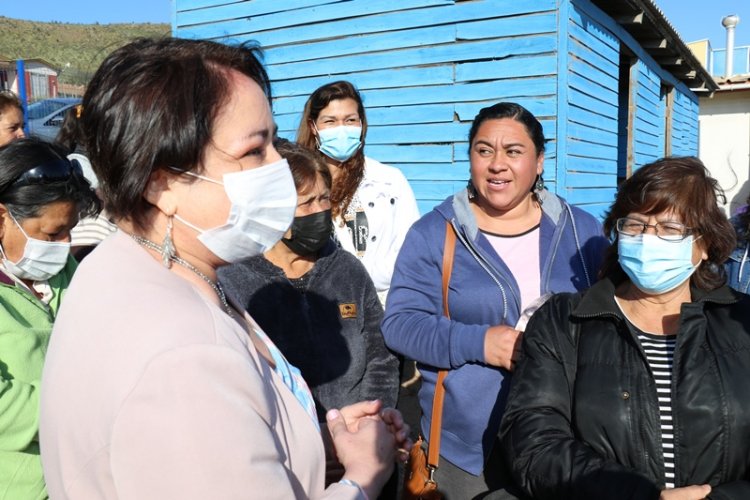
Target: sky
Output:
[(693, 19), (89, 11), (699, 19)]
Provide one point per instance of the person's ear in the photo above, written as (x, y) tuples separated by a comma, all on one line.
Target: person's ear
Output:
[(540, 163), (3, 219), (159, 191)]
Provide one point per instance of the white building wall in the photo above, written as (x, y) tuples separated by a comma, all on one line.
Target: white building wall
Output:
[(724, 143)]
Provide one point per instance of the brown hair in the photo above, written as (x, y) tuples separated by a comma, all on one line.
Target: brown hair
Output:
[(353, 169), (152, 104), (306, 165), (69, 135), (9, 100), (682, 185)]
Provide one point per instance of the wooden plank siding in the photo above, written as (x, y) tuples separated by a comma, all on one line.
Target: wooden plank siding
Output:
[(649, 119), (592, 69), (650, 80), (684, 125), (426, 67)]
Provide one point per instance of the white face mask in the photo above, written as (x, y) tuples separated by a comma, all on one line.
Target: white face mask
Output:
[(263, 199), (40, 261)]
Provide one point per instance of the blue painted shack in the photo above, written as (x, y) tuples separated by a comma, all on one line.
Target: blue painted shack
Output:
[(609, 79)]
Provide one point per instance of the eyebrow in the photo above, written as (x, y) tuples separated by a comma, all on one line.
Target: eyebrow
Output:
[(513, 144), (263, 133), (640, 217), (502, 145), (350, 115)]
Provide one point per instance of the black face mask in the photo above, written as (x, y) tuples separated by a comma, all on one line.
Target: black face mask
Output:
[(310, 233)]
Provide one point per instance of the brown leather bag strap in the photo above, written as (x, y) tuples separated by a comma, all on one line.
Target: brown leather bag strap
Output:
[(433, 446)]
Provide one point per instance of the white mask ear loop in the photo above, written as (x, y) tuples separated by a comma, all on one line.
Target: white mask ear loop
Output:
[(18, 225), (2, 250), (189, 224), (203, 178), (317, 135)]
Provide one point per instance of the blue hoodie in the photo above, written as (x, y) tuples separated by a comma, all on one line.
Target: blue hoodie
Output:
[(482, 293)]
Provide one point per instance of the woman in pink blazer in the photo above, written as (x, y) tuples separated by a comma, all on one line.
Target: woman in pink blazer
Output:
[(156, 385)]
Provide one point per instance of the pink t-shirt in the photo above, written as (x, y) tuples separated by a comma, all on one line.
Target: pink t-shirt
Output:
[(520, 252)]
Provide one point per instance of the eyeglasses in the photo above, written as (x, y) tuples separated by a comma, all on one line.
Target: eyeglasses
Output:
[(669, 231), (55, 171)]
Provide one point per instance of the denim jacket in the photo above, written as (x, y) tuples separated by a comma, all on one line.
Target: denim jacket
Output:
[(737, 265)]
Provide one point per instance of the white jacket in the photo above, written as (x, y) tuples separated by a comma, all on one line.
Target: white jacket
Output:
[(391, 209)]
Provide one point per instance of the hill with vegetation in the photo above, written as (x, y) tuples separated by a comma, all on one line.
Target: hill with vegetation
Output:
[(76, 50)]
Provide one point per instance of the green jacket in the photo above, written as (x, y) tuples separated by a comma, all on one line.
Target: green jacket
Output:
[(25, 328)]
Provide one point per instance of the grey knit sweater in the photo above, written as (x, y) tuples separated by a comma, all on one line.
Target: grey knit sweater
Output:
[(330, 329)]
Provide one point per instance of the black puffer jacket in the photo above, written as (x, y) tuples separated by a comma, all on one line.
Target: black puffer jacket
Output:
[(583, 422)]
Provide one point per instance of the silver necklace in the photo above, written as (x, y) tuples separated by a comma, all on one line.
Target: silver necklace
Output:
[(214, 284)]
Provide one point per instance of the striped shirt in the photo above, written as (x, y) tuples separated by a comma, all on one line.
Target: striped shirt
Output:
[(659, 350)]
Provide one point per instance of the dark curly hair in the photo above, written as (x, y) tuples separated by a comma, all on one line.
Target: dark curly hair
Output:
[(684, 186)]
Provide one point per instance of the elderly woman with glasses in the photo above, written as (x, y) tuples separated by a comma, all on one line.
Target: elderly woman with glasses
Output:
[(637, 389), (42, 195)]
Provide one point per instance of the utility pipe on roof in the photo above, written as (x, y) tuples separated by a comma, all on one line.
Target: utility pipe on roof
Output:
[(730, 22)]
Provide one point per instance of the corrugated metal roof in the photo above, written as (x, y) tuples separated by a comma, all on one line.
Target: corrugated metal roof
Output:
[(646, 22)]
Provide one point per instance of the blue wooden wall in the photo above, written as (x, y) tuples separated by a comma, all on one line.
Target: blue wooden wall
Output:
[(590, 114), (590, 50), (425, 67)]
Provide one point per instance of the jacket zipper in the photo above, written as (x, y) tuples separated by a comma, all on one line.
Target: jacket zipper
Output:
[(483, 264), (619, 324)]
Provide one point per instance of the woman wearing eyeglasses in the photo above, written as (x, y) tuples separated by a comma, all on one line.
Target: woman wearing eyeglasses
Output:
[(637, 389), (42, 195)]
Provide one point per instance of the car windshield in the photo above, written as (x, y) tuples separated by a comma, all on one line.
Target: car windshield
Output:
[(43, 108)]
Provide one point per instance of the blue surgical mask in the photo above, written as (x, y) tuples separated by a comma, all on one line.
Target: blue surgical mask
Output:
[(340, 143), (655, 265)]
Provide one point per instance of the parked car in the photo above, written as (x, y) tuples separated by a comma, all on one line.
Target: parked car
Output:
[(45, 117)]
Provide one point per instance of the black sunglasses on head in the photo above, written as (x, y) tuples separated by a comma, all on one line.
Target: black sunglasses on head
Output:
[(55, 171)]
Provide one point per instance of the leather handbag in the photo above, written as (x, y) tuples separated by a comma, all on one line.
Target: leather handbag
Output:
[(419, 476)]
